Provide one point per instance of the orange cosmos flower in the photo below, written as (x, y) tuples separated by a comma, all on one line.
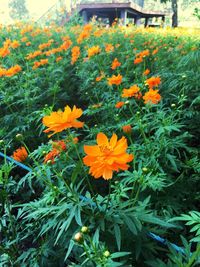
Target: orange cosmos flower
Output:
[(75, 54), (138, 60), (146, 72), (93, 51), (20, 154), (115, 64), (107, 156), (59, 121), (15, 44), (4, 51), (58, 147), (34, 54), (119, 104), (152, 97), (13, 70), (117, 80), (109, 48), (155, 51), (153, 82), (144, 53), (127, 128), (58, 59), (133, 91), (99, 78)]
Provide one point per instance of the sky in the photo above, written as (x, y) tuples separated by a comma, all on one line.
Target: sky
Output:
[(36, 9)]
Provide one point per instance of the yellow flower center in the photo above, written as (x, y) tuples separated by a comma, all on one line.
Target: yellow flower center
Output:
[(106, 149)]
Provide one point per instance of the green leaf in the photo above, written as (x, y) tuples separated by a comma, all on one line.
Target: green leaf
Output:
[(130, 224), (117, 232), (71, 245), (119, 254)]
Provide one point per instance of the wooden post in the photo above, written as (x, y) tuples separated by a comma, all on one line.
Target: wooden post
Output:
[(123, 16), (137, 20), (146, 22), (85, 16)]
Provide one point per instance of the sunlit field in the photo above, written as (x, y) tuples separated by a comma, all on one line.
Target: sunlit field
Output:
[(99, 146)]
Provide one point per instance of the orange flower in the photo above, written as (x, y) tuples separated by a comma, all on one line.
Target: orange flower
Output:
[(109, 48), (4, 51), (138, 60), (115, 64), (58, 147), (51, 156), (13, 70), (34, 54), (127, 128), (146, 72), (144, 53), (75, 54), (153, 82), (152, 97), (94, 50), (40, 63), (59, 121), (99, 78), (155, 51), (58, 59), (107, 156), (20, 154), (119, 104), (133, 91), (117, 80), (15, 44)]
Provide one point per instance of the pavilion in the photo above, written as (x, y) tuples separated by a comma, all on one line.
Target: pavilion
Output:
[(122, 9)]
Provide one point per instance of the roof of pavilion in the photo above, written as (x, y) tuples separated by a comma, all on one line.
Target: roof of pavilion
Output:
[(130, 6)]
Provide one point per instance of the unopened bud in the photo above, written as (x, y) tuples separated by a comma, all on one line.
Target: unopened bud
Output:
[(19, 137), (1, 142), (106, 253), (84, 229), (78, 237), (173, 105), (144, 169)]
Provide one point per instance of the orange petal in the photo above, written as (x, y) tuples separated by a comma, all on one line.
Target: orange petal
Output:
[(102, 139)]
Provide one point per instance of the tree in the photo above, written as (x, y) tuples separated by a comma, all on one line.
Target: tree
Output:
[(174, 6), (175, 13), (18, 9)]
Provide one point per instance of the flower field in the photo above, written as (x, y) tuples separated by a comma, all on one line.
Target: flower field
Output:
[(99, 146)]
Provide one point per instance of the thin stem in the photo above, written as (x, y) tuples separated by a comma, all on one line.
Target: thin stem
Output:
[(108, 200)]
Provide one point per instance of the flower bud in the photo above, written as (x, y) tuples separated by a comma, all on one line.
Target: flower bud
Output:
[(84, 229), (144, 169), (173, 105), (19, 137), (106, 253), (49, 162), (78, 237), (127, 129), (1, 142)]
